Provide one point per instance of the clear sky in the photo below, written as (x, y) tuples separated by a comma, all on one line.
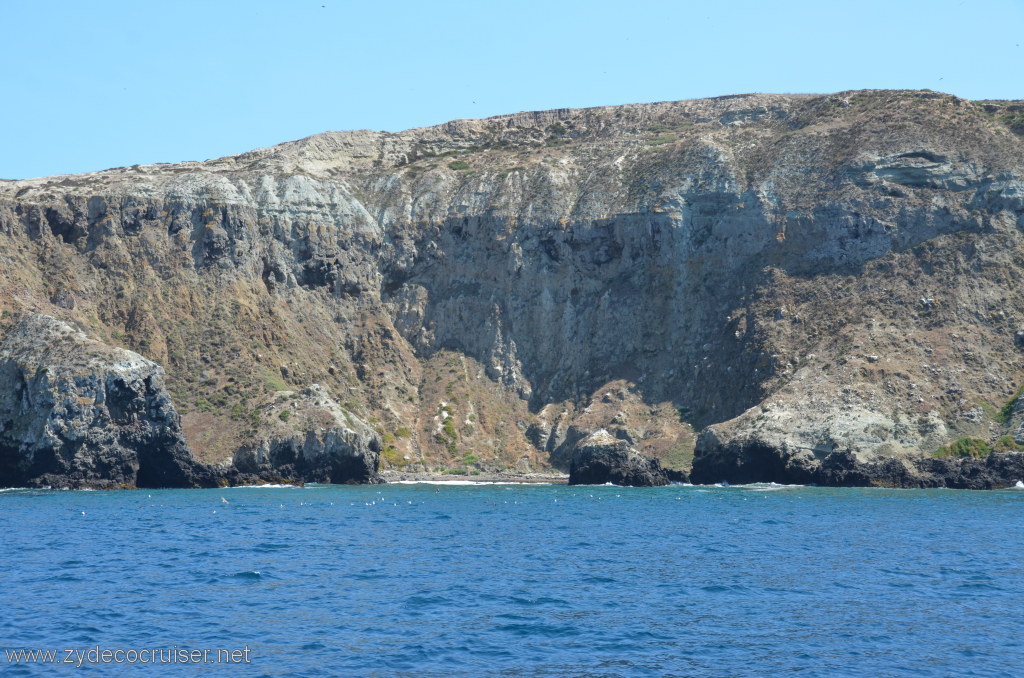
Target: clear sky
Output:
[(92, 84)]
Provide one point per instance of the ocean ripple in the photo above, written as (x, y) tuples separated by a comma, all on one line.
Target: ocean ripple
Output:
[(505, 580)]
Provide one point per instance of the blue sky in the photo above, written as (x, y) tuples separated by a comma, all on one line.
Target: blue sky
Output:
[(92, 84)]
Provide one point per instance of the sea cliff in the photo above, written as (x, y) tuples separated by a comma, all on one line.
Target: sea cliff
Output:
[(759, 287)]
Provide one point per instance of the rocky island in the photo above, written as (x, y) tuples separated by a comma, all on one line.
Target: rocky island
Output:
[(788, 288)]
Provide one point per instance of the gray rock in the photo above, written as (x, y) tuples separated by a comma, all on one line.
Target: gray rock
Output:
[(602, 458), (76, 413), (753, 461), (318, 441)]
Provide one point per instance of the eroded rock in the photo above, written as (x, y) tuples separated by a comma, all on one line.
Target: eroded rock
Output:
[(602, 458), (840, 260), (77, 413), (758, 461), (308, 436)]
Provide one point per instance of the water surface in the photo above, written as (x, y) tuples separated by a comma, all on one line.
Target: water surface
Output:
[(514, 580)]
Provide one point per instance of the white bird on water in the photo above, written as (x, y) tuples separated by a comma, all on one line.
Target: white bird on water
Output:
[(224, 500)]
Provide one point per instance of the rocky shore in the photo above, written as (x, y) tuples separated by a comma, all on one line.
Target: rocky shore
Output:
[(754, 463)]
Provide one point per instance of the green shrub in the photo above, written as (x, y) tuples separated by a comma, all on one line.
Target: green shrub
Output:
[(274, 383), (661, 140), (1006, 444), (403, 432), (1015, 121), (392, 456), (284, 415), (449, 428), (459, 165), (1006, 411), (975, 448)]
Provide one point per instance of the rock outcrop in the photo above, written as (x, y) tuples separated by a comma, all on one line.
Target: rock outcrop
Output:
[(308, 436), (800, 273), (740, 462), (602, 458), (77, 413)]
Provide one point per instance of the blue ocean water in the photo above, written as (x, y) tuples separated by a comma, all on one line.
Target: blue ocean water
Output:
[(519, 580)]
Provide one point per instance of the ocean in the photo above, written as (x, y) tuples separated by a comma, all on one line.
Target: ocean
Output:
[(512, 580)]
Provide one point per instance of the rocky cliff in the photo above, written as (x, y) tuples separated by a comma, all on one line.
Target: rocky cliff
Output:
[(74, 412), (793, 275)]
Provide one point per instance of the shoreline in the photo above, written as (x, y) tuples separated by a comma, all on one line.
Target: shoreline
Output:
[(518, 478)]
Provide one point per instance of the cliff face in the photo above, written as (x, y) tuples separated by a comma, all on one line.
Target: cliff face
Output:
[(74, 412), (309, 436), (803, 273)]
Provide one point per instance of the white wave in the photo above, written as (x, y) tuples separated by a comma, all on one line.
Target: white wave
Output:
[(268, 486), (1018, 486), (14, 489), (759, 487), (768, 487)]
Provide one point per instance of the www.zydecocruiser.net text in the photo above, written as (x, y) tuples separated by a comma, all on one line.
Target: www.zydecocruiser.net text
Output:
[(101, 655)]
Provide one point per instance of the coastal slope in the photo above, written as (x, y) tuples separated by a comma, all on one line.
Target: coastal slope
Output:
[(747, 278)]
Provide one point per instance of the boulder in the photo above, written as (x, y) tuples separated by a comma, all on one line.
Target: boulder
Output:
[(602, 458)]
